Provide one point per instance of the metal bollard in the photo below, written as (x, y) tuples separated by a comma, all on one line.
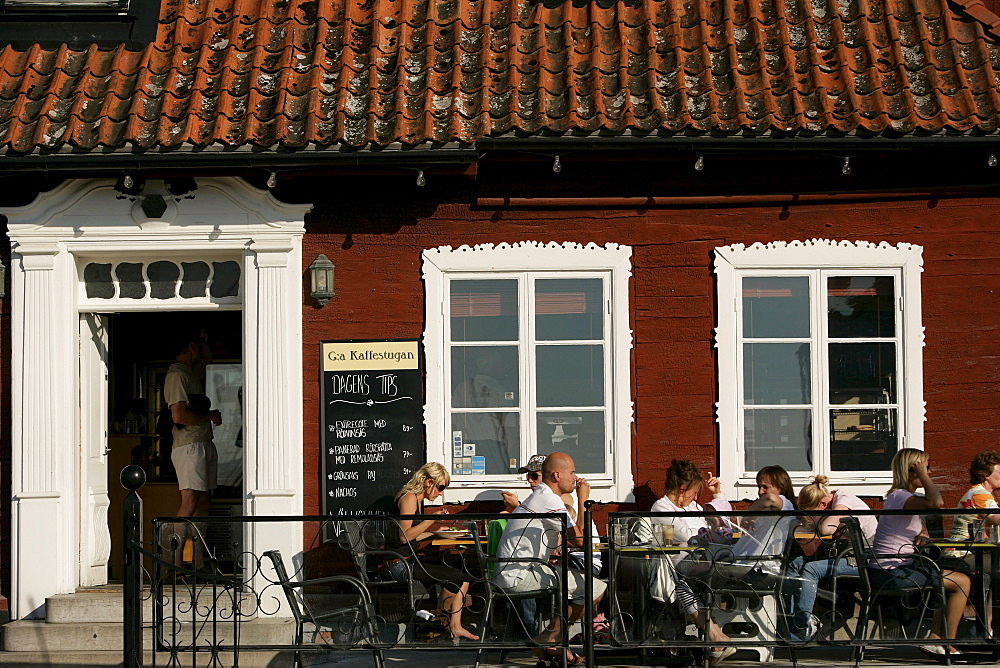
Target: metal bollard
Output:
[(132, 478)]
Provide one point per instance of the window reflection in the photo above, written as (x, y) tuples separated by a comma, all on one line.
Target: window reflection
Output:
[(778, 436), (863, 373), (862, 439), (776, 373), (578, 434), (484, 310), (861, 306), (776, 307)]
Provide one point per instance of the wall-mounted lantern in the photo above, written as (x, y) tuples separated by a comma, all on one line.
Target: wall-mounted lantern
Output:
[(321, 280)]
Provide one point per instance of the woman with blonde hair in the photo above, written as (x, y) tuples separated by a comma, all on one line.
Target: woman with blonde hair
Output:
[(428, 484), (897, 535), (806, 575)]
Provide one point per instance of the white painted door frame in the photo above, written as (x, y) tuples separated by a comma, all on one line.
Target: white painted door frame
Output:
[(95, 532), (86, 219)]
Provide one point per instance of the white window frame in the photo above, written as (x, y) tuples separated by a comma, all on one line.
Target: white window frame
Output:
[(565, 260), (734, 262)]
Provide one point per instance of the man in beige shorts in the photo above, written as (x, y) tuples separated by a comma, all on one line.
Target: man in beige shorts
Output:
[(193, 454)]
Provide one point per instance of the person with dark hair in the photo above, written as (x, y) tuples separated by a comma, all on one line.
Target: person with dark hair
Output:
[(193, 453), (984, 476), (775, 480), (682, 487)]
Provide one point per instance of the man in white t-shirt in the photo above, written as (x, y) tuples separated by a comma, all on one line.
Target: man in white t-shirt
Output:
[(193, 453), (530, 535)]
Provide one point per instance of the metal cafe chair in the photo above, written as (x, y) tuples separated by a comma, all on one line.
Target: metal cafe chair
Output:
[(493, 565), (905, 599), (318, 607), (395, 603), (750, 587)]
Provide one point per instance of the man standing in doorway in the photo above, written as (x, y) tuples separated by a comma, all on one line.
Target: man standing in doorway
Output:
[(193, 454)]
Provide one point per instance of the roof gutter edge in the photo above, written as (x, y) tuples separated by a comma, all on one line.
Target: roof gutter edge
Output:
[(265, 160)]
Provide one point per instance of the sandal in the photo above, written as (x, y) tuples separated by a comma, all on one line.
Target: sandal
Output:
[(717, 656), (554, 654)]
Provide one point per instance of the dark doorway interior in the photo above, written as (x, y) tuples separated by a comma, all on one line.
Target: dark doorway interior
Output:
[(141, 347)]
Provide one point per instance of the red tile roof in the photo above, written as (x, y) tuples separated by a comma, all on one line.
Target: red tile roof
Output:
[(295, 73)]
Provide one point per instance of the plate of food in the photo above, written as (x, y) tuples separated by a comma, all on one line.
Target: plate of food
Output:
[(451, 533)]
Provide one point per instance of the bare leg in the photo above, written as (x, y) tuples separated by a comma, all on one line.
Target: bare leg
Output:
[(190, 499), (453, 603), (956, 587), (551, 633), (711, 629)]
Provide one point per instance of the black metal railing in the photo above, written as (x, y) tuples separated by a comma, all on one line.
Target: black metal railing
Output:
[(356, 585), (746, 570)]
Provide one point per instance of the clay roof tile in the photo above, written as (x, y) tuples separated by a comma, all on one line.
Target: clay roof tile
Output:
[(362, 72)]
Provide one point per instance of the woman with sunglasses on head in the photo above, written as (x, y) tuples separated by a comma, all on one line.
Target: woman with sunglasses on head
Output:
[(898, 535), (428, 484)]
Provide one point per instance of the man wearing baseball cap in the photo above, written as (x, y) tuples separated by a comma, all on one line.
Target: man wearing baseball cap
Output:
[(534, 465)]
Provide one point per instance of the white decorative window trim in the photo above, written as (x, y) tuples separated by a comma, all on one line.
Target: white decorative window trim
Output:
[(531, 256), (810, 255)]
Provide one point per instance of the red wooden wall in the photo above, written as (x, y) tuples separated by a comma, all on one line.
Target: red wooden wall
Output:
[(376, 248)]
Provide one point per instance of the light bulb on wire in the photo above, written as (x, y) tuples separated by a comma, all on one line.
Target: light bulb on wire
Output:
[(272, 180), (846, 169), (421, 180)]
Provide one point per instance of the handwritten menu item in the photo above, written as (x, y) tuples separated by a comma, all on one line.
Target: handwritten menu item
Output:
[(372, 423)]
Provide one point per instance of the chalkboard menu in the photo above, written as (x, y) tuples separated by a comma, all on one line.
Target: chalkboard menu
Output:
[(372, 423)]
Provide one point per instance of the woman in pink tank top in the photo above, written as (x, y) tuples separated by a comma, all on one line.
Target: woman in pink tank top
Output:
[(896, 535)]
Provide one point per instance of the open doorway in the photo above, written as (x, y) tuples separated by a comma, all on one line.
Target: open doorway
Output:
[(140, 350)]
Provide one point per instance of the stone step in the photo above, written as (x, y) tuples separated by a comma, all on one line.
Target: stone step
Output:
[(104, 605), (40, 636), (75, 659)]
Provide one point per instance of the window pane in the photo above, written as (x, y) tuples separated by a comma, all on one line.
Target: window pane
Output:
[(130, 285), (569, 309), (778, 436), (97, 278), (776, 373), (484, 310), (484, 377), (495, 436), (226, 279), (195, 283), (861, 306), (862, 440), (570, 375), (776, 306), (580, 435), (163, 277), (862, 373)]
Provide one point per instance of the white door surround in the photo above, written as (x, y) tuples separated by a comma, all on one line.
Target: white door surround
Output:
[(87, 220)]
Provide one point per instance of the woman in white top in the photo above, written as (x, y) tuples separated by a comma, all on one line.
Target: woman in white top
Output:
[(683, 486), (807, 574), (897, 535)]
